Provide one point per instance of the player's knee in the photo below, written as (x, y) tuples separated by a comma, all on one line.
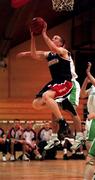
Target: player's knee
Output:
[(34, 104), (45, 97)]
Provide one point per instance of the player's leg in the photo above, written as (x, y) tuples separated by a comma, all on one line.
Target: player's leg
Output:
[(38, 104), (53, 106), (74, 99), (90, 163), (66, 105), (71, 107), (48, 97)]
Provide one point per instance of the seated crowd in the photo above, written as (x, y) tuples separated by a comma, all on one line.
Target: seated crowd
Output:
[(32, 144)]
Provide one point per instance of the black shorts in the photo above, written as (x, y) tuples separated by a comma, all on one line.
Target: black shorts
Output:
[(67, 105)]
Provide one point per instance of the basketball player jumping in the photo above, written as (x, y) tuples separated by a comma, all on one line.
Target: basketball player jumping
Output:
[(58, 58)]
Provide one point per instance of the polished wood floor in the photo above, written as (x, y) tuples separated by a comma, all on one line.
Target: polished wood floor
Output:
[(43, 170)]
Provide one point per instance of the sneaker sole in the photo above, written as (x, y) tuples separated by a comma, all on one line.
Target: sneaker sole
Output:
[(51, 146), (75, 148)]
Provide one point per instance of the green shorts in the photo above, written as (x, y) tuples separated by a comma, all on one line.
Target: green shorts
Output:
[(75, 93), (92, 148)]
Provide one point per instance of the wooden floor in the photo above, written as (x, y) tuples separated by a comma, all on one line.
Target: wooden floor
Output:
[(43, 170)]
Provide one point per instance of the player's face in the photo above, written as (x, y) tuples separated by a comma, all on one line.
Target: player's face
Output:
[(29, 126), (17, 126), (47, 126), (57, 40)]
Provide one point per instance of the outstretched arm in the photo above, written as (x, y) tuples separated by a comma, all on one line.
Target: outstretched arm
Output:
[(25, 53), (33, 53), (89, 75), (84, 93)]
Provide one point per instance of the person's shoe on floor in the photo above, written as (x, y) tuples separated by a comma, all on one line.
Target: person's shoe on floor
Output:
[(78, 141), (54, 141)]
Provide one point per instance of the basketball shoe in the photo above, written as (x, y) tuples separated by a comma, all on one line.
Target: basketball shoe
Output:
[(4, 158), (12, 158), (54, 141), (38, 157), (25, 158), (78, 141)]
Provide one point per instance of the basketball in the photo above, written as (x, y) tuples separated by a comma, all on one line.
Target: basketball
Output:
[(37, 25)]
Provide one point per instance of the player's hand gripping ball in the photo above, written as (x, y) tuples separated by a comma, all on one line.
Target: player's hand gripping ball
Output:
[(37, 25)]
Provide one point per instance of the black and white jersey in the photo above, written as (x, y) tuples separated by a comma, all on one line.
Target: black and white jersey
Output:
[(59, 67)]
